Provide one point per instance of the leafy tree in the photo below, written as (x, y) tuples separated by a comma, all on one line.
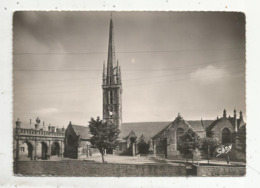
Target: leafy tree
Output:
[(242, 138), (208, 146), (188, 143), (104, 135)]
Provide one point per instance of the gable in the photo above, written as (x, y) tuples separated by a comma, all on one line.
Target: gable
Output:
[(82, 132), (79, 131), (218, 124)]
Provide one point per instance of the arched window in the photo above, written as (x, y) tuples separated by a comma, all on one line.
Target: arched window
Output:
[(226, 136), (180, 132), (110, 96)]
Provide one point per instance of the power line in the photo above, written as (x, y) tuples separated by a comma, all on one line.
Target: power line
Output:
[(82, 84), (166, 81), (124, 80), (124, 52), (99, 70)]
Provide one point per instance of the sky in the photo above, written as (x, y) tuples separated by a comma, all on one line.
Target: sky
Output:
[(192, 63)]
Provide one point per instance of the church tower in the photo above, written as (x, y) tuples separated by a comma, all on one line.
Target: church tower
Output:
[(112, 86)]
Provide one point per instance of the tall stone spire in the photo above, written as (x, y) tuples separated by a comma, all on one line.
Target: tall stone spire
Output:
[(111, 59), (112, 84)]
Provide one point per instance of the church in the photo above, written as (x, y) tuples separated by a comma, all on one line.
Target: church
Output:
[(157, 138)]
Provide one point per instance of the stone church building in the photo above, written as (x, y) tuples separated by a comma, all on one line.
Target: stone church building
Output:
[(146, 138), (161, 139)]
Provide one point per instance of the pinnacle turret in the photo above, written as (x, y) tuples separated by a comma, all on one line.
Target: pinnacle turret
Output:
[(104, 73)]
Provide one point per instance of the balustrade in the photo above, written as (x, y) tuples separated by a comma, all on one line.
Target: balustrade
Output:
[(40, 133)]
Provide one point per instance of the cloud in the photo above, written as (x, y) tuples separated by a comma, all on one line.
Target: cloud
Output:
[(48, 111), (208, 75)]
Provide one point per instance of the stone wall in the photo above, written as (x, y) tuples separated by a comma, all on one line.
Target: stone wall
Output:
[(81, 168), (201, 170)]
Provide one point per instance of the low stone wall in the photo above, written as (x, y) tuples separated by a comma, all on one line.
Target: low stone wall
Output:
[(81, 168), (203, 170)]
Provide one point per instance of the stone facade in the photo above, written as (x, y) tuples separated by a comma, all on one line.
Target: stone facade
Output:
[(166, 141), (229, 130), (37, 143)]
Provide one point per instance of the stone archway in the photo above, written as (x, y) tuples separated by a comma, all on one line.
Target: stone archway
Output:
[(55, 148), (133, 146), (143, 147), (44, 151), (30, 150)]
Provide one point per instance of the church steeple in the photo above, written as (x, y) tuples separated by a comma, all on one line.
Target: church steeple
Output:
[(112, 87), (111, 59)]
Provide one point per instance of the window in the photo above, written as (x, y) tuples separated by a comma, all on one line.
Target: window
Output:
[(22, 149), (226, 136), (111, 97)]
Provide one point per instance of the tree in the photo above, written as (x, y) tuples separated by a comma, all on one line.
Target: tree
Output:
[(208, 146), (242, 138), (104, 135), (188, 143)]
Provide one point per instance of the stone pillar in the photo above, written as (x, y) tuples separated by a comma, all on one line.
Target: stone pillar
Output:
[(133, 149), (154, 149), (17, 148), (61, 149), (151, 147), (33, 152), (17, 155), (35, 149), (49, 150)]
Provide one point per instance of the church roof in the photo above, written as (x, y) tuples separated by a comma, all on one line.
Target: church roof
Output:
[(150, 129), (197, 124), (81, 131), (240, 122)]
